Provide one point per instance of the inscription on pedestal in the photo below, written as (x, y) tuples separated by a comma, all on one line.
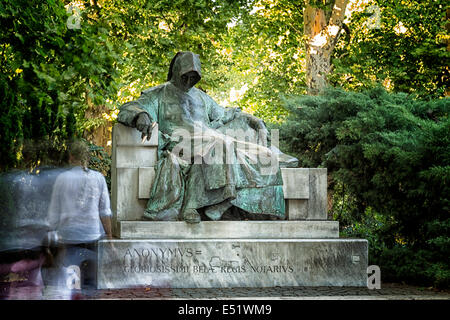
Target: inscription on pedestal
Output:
[(222, 263), (178, 260)]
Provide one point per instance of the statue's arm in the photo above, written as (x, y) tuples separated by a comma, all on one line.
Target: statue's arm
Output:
[(142, 113), (130, 111)]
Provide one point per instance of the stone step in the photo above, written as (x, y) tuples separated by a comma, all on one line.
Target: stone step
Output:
[(228, 230), (222, 263)]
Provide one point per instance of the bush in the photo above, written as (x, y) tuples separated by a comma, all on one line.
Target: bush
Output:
[(101, 161), (388, 156)]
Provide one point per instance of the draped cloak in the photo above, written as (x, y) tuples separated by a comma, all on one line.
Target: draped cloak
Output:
[(207, 154)]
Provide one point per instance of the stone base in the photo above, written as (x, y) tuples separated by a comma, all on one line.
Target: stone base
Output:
[(228, 230), (220, 263)]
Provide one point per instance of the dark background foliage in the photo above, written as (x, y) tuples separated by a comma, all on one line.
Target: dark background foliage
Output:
[(388, 158)]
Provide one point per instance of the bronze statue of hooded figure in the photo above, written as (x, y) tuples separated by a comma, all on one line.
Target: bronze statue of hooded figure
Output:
[(210, 158)]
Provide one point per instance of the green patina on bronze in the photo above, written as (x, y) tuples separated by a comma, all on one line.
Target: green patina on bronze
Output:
[(184, 182)]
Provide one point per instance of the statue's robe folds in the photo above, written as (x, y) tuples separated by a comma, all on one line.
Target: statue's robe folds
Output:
[(201, 162)]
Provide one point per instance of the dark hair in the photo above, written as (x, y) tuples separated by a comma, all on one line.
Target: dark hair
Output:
[(79, 150)]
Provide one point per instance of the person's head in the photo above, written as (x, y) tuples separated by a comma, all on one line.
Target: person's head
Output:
[(185, 70), (78, 153)]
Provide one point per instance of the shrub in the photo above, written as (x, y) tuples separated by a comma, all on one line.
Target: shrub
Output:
[(101, 161), (388, 156)]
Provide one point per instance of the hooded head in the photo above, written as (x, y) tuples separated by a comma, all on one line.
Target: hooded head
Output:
[(185, 70)]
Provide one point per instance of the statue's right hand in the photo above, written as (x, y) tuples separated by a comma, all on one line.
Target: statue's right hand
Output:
[(144, 125)]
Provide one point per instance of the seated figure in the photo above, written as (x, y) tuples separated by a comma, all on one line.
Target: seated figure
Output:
[(210, 158)]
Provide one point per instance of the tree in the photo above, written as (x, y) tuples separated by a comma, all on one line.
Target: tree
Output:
[(48, 72), (406, 50), (62, 78), (322, 26), (265, 58)]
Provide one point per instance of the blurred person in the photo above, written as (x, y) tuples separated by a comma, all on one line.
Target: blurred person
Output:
[(20, 275), (79, 214), (24, 199)]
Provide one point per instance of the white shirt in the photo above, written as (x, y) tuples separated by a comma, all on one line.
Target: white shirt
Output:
[(79, 198)]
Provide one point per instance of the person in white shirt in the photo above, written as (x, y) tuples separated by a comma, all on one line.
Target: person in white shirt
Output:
[(80, 206), (79, 213)]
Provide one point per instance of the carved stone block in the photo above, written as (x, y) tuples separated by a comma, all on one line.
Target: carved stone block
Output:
[(231, 263)]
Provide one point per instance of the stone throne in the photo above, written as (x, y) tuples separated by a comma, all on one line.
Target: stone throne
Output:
[(303, 250)]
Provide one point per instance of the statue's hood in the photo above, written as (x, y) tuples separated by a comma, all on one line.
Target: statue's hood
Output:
[(183, 63)]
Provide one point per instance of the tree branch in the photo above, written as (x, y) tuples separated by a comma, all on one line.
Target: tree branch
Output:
[(338, 13)]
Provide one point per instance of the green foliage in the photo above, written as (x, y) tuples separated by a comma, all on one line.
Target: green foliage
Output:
[(389, 158), (418, 266), (266, 50), (52, 74), (266, 59), (405, 50), (48, 73), (100, 161), (150, 33), (9, 124)]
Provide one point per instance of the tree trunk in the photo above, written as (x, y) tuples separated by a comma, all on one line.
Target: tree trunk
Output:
[(321, 38)]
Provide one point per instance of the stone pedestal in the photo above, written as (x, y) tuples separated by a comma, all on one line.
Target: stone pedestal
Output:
[(304, 250), (228, 230), (221, 263)]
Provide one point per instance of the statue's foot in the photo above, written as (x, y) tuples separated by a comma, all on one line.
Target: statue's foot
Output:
[(150, 216), (170, 214), (215, 212), (191, 216)]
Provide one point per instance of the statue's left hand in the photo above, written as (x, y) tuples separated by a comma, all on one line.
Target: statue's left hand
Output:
[(144, 125), (259, 126)]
